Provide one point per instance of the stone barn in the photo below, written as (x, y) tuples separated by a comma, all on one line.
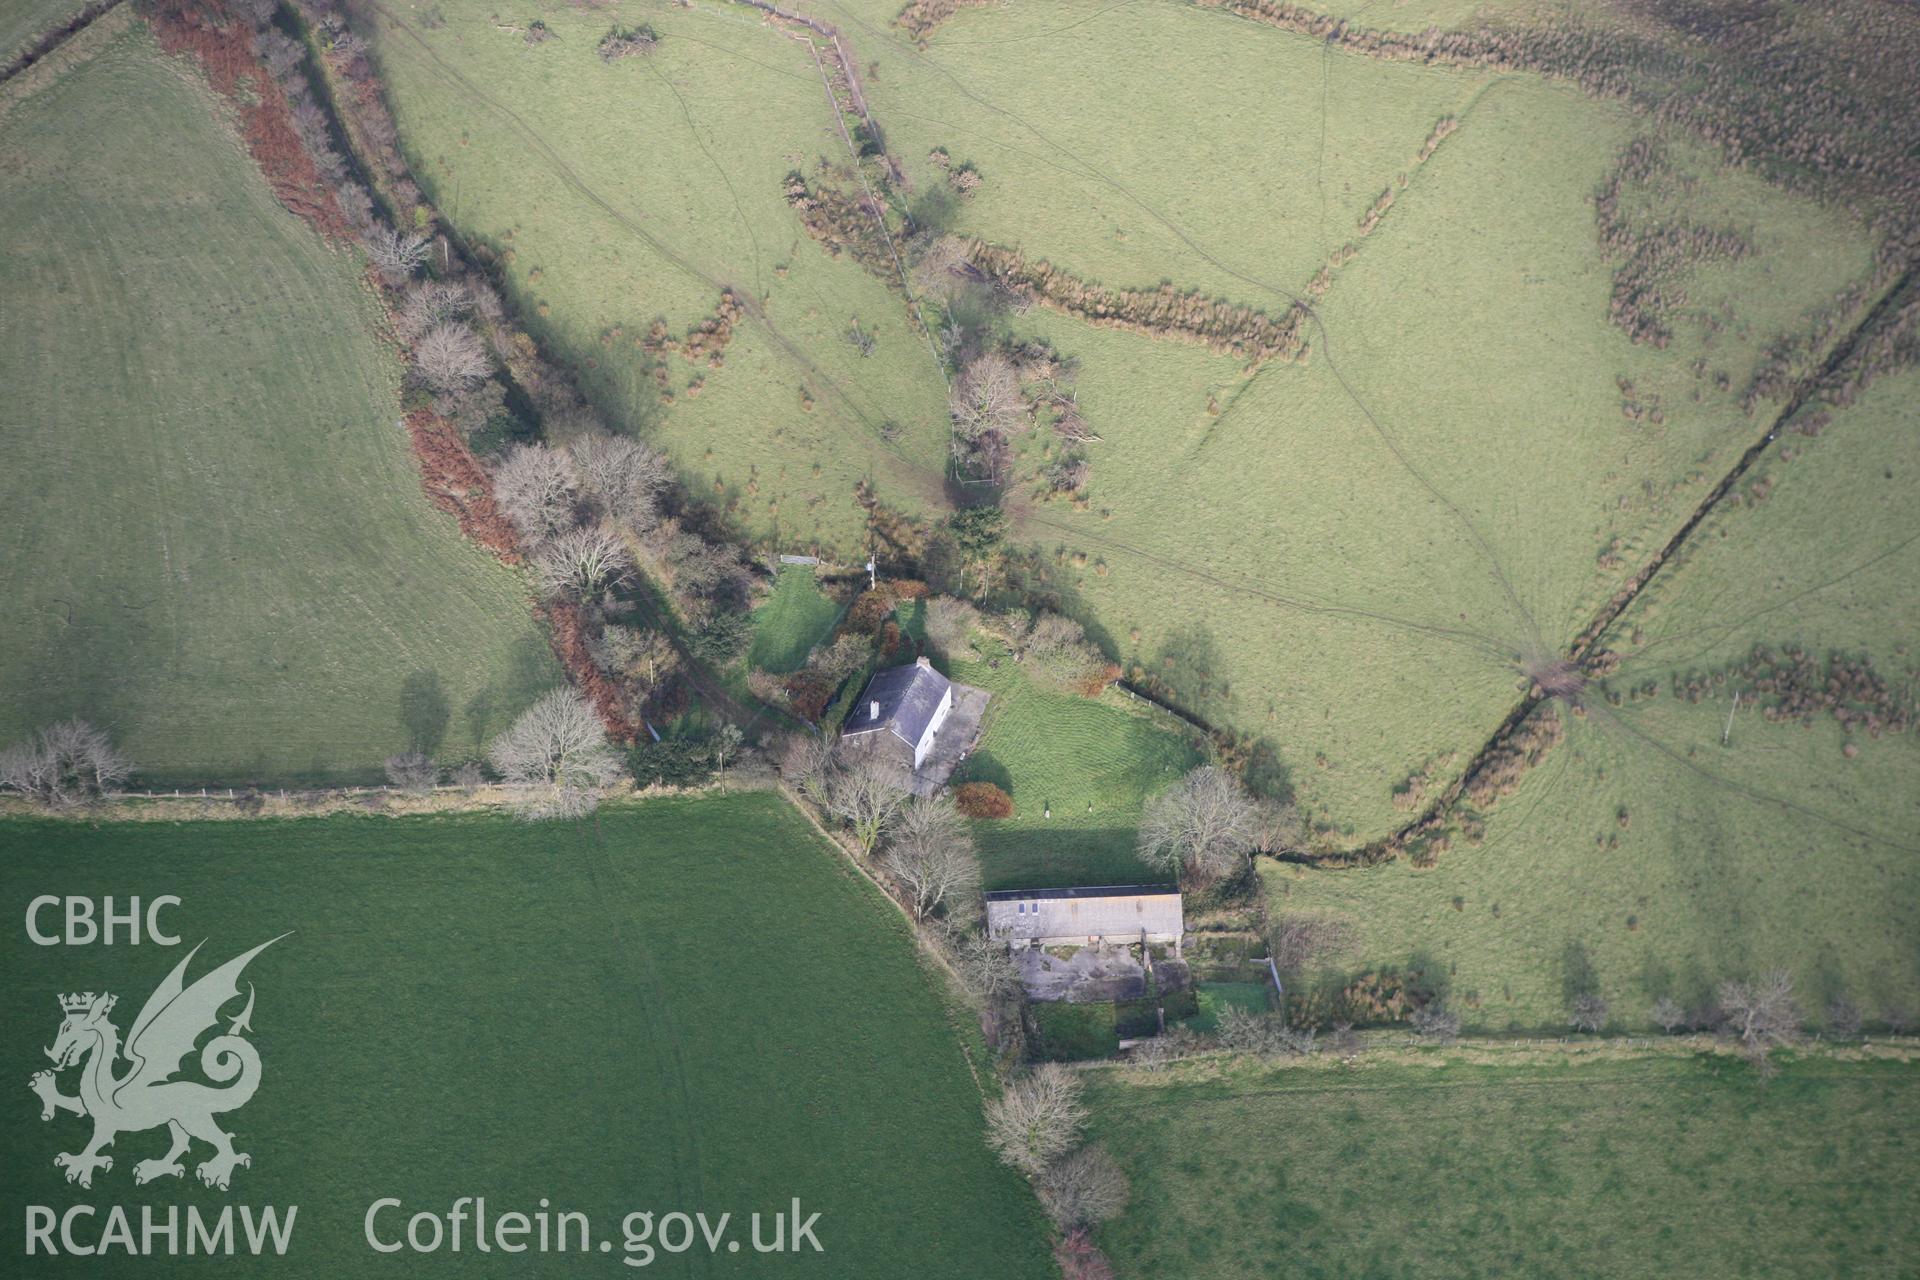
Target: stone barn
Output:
[(1119, 914)]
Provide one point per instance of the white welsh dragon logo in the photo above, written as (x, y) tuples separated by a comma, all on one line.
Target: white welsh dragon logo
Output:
[(147, 1096)]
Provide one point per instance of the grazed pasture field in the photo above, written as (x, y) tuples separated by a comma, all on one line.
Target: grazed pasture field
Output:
[(1346, 557), (1485, 503), (622, 193), (24, 21), (1619, 1168), (608, 1015), (215, 541), (1774, 850)]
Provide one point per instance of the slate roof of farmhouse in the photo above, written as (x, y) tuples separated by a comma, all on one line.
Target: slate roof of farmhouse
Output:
[(908, 697)]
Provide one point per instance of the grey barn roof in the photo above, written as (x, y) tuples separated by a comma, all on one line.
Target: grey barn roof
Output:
[(1084, 891), (908, 697), (1083, 914)]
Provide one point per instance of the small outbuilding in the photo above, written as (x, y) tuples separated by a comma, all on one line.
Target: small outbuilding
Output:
[(1120, 914)]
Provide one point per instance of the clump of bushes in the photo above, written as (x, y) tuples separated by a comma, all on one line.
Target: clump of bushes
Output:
[(982, 800), (628, 42), (64, 766)]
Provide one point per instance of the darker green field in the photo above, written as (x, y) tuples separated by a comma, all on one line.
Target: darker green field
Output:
[(1655, 1166), (687, 1004)]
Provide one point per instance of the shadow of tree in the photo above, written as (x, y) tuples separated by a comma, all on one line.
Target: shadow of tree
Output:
[(424, 711)]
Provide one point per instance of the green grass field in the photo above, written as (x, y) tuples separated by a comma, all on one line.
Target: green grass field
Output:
[(1654, 1166), (795, 618), (1447, 484), (685, 1004), (1491, 503), (216, 545), (1091, 761), (24, 21), (1774, 850), (620, 193)]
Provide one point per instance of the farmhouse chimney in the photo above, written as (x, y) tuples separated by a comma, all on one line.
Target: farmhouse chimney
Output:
[(873, 709), (923, 661)]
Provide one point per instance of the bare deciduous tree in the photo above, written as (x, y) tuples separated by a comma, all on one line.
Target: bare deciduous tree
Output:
[(806, 764), (1760, 1015), (622, 478), (432, 303), (941, 267), (1843, 1017), (1084, 1188), (1164, 1050), (635, 655), (1588, 1012), (1436, 1022), (1058, 652), (725, 743), (450, 357), (985, 965), (930, 854), (64, 765), (1037, 1120), (706, 570), (1204, 824), (986, 397), (536, 488), (1278, 827), (1244, 1031), (1298, 944), (558, 751), (469, 777), (1069, 473), (583, 562), (863, 793), (1667, 1014), (395, 254), (412, 771)]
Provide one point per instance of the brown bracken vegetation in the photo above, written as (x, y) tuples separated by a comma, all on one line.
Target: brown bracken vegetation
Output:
[(1653, 243), (1791, 684), (225, 53), (1165, 312), (842, 220), (922, 17)]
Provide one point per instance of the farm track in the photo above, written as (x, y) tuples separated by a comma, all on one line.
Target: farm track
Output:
[(52, 40), (1583, 646)]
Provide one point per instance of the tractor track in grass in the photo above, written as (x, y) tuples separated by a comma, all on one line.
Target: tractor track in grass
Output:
[(1584, 645)]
